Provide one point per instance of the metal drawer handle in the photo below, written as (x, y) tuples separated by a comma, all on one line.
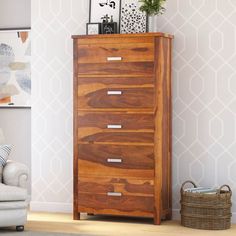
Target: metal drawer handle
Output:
[(113, 194), (114, 92), (114, 160), (114, 58), (114, 126)]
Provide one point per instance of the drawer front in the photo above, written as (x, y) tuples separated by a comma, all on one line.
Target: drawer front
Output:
[(115, 68), (114, 137), (113, 121), (115, 93), (116, 196), (115, 39), (108, 53), (121, 186), (124, 205), (115, 127), (116, 160)]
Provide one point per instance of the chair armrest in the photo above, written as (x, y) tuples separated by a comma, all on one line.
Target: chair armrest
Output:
[(16, 174)]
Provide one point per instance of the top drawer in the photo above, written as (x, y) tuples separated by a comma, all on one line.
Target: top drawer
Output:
[(125, 52)]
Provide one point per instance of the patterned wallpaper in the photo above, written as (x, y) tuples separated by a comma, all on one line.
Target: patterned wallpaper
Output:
[(204, 95), (204, 92), (53, 23)]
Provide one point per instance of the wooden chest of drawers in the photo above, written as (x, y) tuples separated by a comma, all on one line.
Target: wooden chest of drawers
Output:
[(122, 125)]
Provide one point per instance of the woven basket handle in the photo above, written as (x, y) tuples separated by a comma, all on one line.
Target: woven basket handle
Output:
[(187, 182), (225, 185)]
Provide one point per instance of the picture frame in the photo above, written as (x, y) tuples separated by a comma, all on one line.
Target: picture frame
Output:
[(132, 20), (109, 28), (15, 67), (93, 28), (99, 8)]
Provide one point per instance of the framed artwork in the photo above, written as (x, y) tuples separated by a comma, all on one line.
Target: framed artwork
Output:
[(101, 8), (132, 20), (15, 68), (109, 28), (93, 28)]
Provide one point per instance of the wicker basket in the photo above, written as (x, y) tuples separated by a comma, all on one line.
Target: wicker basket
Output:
[(206, 211)]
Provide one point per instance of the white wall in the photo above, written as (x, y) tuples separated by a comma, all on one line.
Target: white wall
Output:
[(16, 126), (53, 23), (16, 123), (204, 95), (14, 13), (204, 99)]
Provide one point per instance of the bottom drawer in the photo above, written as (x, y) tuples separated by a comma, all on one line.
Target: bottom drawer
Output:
[(117, 196), (116, 205)]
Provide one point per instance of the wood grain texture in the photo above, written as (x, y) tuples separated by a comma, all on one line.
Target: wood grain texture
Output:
[(125, 186), (142, 109), (141, 98), (136, 196), (116, 81), (94, 127), (162, 138), (76, 214), (93, 93), (117, 68), (137, 161), (117, 38), (97, 53), (125, 205), (114, 136), (167, 150), (114, 40), (100, 120)]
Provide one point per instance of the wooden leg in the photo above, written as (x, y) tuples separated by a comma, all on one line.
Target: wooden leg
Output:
[(76, 216), (157, 219)]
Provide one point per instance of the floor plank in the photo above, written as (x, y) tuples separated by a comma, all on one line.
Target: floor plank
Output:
[(113, 226)]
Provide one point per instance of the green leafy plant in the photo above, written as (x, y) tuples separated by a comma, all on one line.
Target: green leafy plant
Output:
[(152, 7)]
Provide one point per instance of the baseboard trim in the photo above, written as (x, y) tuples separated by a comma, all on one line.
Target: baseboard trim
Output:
[(54, 207), (176, 215)]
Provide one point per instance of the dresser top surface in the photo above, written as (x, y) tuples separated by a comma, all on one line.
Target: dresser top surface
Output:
[(103, 36)]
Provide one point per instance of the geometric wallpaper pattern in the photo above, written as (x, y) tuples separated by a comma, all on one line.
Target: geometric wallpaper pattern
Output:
[(204, 95), (204, 92), (53, 23)]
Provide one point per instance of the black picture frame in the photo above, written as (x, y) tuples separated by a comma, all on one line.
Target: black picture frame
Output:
[(109, 28), (91, 20), (98, 28)]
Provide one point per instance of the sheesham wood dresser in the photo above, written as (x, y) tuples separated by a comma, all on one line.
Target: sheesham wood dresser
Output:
[(122, 125)]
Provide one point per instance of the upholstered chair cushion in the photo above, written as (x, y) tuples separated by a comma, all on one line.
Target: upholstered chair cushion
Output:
[(4, 154), (12, 193)]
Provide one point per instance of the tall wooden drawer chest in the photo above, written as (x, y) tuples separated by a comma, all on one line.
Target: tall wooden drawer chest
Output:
[(122, 125)]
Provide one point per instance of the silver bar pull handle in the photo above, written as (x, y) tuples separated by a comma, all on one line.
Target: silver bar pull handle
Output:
[(114, 194), (114, 58), (114, 126), (114, 160), (114, 92)]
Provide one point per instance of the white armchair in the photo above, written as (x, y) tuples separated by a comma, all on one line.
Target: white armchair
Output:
[(14, 197)]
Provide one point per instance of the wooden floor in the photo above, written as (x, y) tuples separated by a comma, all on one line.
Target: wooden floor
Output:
[(113, 226)]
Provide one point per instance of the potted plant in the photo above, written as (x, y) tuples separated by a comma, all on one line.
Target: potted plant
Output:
[(152, 7)]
